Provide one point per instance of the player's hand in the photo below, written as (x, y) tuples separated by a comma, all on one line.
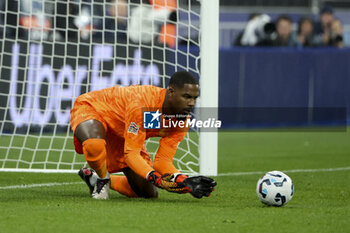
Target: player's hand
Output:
[(198, 186), (164, 182)]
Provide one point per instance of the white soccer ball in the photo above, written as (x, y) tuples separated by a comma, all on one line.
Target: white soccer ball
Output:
[(275, 188)]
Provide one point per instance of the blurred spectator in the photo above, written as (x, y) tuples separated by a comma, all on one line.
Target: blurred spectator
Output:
[(168, 30), (74, 19), (34, 23), (238, 40), (306, 36), (329, 29), (147, 21), (285, 37), (63, 19), (113, 27), (119, 10), (322, 28), (336, 34), (259, 28), (96, 20), (83, 21), (87, 19)]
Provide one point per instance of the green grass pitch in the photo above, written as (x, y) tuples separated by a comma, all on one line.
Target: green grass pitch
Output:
[(321, 202)]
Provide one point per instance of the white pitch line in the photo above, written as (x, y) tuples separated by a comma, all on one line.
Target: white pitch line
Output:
[(26, 186), (221, 174), (286, 171)]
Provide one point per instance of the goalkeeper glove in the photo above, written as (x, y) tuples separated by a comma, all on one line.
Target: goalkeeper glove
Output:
[(164, 182), (198, 186)]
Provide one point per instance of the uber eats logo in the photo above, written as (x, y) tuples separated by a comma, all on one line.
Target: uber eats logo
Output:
[(48, 89)]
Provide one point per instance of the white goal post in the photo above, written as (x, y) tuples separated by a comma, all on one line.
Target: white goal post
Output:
[(51, 51), (209, 82)]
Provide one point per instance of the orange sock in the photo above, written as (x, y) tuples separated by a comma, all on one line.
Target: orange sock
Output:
[(95, 154), (121, 185)]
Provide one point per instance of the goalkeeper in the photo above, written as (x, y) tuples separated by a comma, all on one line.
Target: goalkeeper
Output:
[(108, 129)]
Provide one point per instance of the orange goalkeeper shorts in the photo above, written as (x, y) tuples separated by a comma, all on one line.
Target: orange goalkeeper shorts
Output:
[(83, 111)]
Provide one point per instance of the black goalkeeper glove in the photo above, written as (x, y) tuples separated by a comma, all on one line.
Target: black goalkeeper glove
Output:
[(198, 186)]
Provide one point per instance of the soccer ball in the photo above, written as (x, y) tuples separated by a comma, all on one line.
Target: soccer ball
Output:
[(275, 188)]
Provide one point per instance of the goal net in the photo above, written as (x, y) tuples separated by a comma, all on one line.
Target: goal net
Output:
[(52, 51)]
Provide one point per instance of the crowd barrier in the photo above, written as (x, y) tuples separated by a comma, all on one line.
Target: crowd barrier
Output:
[(284, 86)]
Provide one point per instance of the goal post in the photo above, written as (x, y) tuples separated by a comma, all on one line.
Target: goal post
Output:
[(209, 82), (49, 56)]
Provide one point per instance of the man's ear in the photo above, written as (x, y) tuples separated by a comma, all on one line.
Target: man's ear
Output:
[(171, 90)]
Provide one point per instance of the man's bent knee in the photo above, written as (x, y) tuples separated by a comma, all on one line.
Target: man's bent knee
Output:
[(90, 129)]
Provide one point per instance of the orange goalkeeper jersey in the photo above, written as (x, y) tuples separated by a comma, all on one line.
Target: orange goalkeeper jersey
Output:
[(120, 110)]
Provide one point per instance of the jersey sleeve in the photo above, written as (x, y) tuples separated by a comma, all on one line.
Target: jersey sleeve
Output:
[(134, 139), (163, 162)]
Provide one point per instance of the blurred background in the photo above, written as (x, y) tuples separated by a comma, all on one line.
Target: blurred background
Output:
[(235, 14), (287, 60)]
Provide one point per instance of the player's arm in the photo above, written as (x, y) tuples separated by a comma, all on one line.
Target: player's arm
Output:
[(134, 140), (198, 186), (163, 161)]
